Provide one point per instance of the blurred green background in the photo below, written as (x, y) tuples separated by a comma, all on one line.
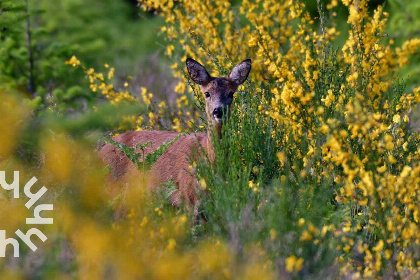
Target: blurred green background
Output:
[(37, 37)]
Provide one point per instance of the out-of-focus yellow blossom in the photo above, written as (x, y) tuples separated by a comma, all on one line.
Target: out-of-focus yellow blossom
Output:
[(294, 264), (73, 61)]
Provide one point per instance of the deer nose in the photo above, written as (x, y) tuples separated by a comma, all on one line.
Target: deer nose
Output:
[(218, 113)]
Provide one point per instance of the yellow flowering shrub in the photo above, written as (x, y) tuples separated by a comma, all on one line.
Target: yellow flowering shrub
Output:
[(335, 115)]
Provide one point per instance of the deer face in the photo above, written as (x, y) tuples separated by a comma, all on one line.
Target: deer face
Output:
[(218, 91)]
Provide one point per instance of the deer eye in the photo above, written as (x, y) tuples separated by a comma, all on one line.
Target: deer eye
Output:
[(207, 94), (231, 94)]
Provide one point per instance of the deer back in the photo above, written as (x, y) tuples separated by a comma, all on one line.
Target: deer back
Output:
[(173, 164)]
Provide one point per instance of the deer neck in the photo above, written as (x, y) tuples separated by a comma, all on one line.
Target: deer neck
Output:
[(210, 134)]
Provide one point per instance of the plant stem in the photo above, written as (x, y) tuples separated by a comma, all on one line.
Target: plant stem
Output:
[(31, 84)]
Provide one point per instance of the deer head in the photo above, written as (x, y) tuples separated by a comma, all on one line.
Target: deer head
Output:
[(218, 91)]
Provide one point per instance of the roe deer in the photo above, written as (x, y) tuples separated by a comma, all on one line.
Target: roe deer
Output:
[(173, 163)]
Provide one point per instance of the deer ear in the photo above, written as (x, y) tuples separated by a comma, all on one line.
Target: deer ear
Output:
[(197, 72), (240, 72)]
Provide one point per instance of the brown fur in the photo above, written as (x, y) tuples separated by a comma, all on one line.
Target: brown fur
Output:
[(173, 164), (219, 88)]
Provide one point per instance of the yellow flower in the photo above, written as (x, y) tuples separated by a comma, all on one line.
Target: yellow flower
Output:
[(169, 50), (301, 222), (171, 244), (73, 61), (294, 264), (282, 158), (381, 169), (379, 246), (255, 170), (392, 159), (203, 184), (273, 234), (305, 236)]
